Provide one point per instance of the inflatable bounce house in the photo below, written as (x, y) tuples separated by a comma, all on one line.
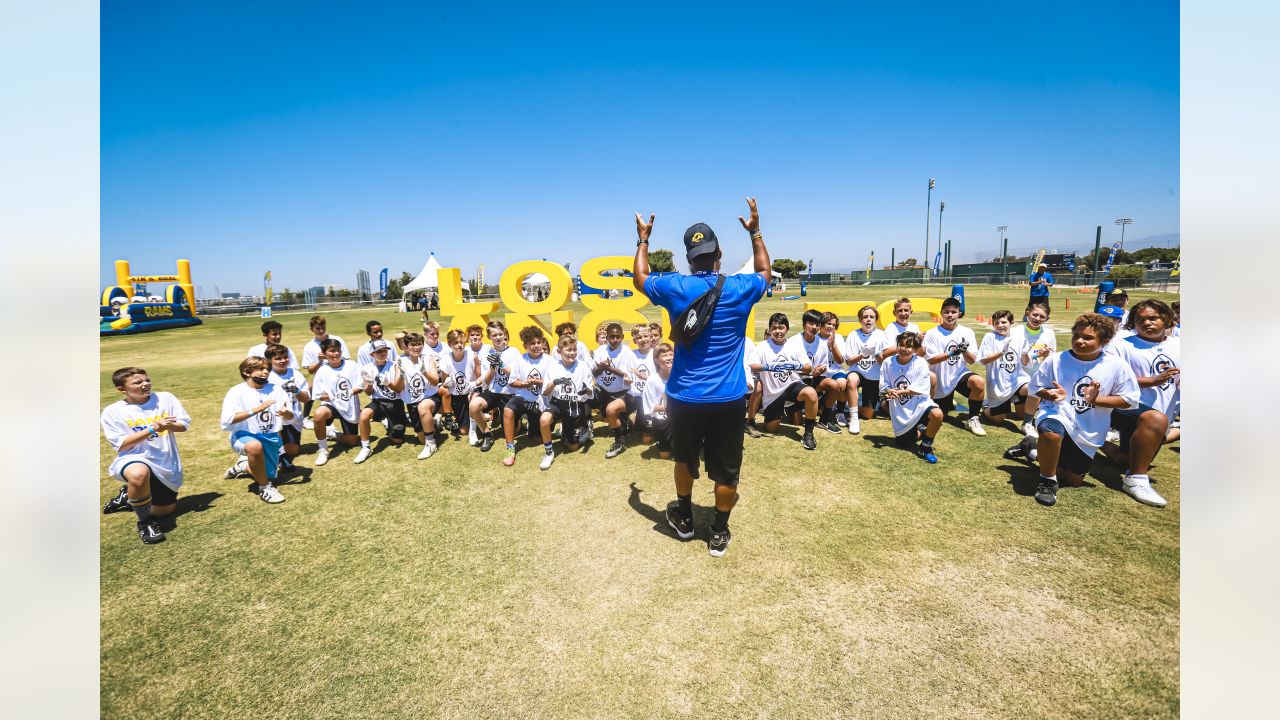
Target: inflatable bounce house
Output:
[(124, 313)]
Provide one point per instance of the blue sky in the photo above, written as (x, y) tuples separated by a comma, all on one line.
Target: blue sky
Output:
[(315, 139)]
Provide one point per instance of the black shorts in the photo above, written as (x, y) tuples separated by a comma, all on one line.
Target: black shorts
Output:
[(494, 401), (290, 435), (604, 397), (348, 427), (715, 430), (947, 402), (1071, 458), (1006, 407), (412, 412), (528, 408), (811, 381), (1126, 421), (660, 429), (870, 392), (572, 415), (791, 394), (161, 494)]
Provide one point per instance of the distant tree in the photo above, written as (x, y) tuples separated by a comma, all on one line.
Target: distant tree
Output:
[(395, 287), (1156, 254), (661, 261), (908, 263), (788, 268)]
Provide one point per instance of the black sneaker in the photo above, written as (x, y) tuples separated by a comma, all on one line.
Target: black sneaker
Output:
[(584, 435), (808, 442), (719, 542), (615, 449), (119, 503), (682, 526), (1047, 492), (831, 426), (752, 432), (287, 465), (486, 442), (451, 423), (149, 531), (1017, 452)]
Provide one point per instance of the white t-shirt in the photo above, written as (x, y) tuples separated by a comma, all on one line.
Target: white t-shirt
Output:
[(814, 353), (1031, 341), (416, 385), (1002, 373), (121, 419), (655, 392), (498, 383), (940, 340), (534, 371), (641, 370), (906, 412), (311, 351), (365, 357), (1086, 424), (260, 350), (1146, 359), (441, 350), (382, 381), (786, 359), (747, 353), (892, 332), (341, 384), (242, 398), (868, 345), (833, 367), (300, 382), (622, 359), (579, 373), (460, 376)]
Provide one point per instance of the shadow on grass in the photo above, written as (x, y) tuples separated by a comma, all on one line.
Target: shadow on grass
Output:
[(652, 514), (187, 504), (297, 476)]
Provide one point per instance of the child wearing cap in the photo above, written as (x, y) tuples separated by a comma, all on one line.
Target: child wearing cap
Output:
[(381, 376), (364, 354)]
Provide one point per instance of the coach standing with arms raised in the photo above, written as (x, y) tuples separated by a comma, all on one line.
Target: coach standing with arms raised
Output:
[(708, 380)]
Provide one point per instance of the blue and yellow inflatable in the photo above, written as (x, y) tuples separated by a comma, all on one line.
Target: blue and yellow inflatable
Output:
[(120, 313)]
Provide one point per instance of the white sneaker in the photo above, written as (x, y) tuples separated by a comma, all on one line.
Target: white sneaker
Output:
[(322, 456), (427, 451), (547, 459), (975, 426), (330, 433), (1139, 488), (307, 424), (1029, 429), (240, 467), (270, 494), (363, 455), (855, 425), (1113, 436), (472, 437)]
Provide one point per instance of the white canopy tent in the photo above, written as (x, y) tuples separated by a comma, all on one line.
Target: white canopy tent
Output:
[(426, 278)]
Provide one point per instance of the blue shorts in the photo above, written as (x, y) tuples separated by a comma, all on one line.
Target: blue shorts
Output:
[(270, 448), (838, 376)]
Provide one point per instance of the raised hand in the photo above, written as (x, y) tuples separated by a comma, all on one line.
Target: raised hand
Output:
[(1091, 392), (1058, 393), (753, 225), (642, 228)]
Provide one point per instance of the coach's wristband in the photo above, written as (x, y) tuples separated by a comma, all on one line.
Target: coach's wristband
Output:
[(757, 235)]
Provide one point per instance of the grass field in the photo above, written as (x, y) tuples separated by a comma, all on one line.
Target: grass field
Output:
[(861, 582)]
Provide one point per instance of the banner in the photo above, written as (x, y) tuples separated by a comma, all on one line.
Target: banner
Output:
[(1177, 265), (1070, 261), (1111, 258), (1035, 264), (382, 284), (937, 263), (266, 290), (871, 264)]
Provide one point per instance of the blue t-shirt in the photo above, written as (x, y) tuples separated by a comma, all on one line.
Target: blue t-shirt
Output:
[(711, 370), (1040, 290)]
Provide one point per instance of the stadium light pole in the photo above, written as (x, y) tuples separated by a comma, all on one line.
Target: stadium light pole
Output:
[(1004, 260), (942, 205), (928, 210), (1122, 222)]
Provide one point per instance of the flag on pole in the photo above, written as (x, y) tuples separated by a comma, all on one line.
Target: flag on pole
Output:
[(1035, 264), (937, 263), (1115, 248), (1177, 266), (382, 284), (266, 286), (871, 264)]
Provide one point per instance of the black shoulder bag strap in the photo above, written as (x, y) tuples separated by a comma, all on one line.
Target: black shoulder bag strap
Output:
[(690, 323)]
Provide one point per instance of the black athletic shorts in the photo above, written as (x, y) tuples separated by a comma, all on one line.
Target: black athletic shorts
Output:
[(528, 408), (811, 381), (715, 430), (348, 427), (870, 392), (1126, 421), (495, 401), (412, 411), (947, 402), (660, 429), (1006, 407), (791, 394), (161, 494), (604, 397), (290, 435), (572, 416), (1071, 458)]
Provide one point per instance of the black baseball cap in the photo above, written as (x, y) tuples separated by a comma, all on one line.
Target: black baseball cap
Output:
[(699, 240)]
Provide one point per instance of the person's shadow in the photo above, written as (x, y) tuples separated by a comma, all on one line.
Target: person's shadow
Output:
[(652, 514), (188, 504)]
